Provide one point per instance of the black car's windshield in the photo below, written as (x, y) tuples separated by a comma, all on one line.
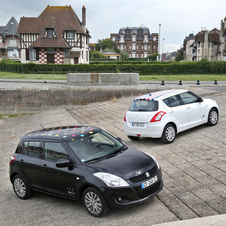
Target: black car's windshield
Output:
[(95, 146), (144, 105)]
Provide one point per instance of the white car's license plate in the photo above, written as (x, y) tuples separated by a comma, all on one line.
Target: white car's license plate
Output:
[(149, 182), (137, 124)]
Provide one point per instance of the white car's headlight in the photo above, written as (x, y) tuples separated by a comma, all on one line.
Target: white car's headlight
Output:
[(154, 159), (111, 180)]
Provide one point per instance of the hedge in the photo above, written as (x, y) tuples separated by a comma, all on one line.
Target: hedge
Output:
[(141, 67)]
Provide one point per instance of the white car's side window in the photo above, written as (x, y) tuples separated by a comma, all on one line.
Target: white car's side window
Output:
[(188, 98), (172, 101)]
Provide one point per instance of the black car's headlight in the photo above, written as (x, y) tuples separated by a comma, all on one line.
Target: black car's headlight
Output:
[(158, 166), (111, 180)]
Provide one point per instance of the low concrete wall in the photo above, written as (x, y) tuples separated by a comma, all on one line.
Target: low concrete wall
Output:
[(103, 78), (25, 101)]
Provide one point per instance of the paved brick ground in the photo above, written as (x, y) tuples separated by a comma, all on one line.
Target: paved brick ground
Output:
[(194, 169), (194, 166)]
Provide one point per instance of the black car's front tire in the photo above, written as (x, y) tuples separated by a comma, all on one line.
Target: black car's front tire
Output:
[(213, 117), (21, 188), (94, 202), (169, 134)]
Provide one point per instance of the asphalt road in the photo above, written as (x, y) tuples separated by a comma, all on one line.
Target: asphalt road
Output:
[(194, 169)]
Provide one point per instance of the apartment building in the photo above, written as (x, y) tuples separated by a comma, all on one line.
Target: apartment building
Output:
[(138, 42)]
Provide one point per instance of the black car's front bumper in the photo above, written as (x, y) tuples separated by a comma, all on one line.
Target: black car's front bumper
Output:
[(116, 197)]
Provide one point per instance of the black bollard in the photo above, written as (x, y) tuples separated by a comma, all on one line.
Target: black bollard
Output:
[(215, 82), (198, 83), (162, 84), (180, 83)]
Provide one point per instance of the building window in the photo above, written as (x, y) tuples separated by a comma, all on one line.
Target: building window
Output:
[(50, 33), (113, 39), (154, 39), (121, 47), (129, 47), (145, 54), (154, 47), (133, 38), (121, 38), (32, 54), (133, 46), (70, 34), (0, 39), (67, 53), (50, 51), (142, 47), (137, 47), (145, 47), (125, 47), (148, 47), (145, 38)]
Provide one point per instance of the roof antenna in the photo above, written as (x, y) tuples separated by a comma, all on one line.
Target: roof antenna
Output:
[(42, 126)]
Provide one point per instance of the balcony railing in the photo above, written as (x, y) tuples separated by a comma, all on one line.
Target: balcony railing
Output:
[(194, 54)]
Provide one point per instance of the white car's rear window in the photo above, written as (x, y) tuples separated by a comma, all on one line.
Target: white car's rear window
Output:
[(144, 105)]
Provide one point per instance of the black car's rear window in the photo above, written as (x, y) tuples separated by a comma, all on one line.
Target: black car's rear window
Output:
[(144, 105)]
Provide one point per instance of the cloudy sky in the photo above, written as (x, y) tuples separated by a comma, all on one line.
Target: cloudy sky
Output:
[(178, 18)]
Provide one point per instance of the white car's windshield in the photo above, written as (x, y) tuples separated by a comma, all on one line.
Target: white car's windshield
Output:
[(95, 146)]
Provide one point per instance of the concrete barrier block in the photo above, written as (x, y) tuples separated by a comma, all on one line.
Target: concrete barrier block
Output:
[(103, 78)]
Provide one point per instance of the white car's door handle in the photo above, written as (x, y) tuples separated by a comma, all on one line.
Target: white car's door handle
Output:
[(188, 107), (171, 111)]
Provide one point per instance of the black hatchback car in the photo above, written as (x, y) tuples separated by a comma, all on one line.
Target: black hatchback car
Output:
[(84, 163)]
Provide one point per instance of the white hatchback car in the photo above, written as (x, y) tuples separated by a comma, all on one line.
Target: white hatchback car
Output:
[(165, 113)]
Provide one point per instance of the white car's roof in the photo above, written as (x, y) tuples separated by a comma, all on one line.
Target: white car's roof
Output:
[(161, 94)]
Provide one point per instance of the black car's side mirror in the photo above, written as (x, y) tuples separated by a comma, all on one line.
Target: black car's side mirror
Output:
[(119, 139), (63, 163), (200, 99)]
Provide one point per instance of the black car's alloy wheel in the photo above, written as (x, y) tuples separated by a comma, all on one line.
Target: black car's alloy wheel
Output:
[(94, 202), (20, 187), (213, 117), (169, 134)]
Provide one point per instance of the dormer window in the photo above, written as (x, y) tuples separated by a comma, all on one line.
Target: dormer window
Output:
[(50, 33), (70, 34)]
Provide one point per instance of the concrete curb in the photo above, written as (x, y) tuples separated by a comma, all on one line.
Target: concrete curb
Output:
[(218, 220)]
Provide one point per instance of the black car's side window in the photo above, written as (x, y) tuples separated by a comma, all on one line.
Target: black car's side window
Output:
[(188, 98), (55, 151), (31, 148), (172, 101)]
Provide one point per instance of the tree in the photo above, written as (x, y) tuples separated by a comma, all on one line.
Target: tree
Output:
[(95, 54), (103, 44), (153, 56), (179, 55)]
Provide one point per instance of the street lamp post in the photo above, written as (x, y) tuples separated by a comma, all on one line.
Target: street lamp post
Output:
[(162, 47), (159, 43), (13, 41)]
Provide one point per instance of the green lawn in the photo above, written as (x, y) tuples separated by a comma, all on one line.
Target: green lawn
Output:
[(9, 75)]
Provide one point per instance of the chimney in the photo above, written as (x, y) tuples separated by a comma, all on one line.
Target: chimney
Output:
[(84, 18)]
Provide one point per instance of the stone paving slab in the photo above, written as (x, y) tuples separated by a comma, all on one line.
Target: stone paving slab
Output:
[(194, 170)]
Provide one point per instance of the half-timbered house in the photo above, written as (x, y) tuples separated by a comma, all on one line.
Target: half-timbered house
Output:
[(56, 36)]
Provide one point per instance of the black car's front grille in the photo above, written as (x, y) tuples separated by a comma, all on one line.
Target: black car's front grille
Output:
[(149, 190), (143, 176)]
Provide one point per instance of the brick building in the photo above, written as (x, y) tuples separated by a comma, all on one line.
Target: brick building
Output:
[(56, 36), (136, 41)]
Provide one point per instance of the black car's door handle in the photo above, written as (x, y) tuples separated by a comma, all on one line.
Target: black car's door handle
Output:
[(21, 161), (44, 166)]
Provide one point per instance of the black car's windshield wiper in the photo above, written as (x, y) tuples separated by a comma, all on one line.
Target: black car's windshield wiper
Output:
[(123, 148), (90, 160)]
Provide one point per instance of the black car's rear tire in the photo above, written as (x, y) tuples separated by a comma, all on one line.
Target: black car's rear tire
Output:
[(94, 202), (213, 117), (21, 187), (168, 134), (133, 138)]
